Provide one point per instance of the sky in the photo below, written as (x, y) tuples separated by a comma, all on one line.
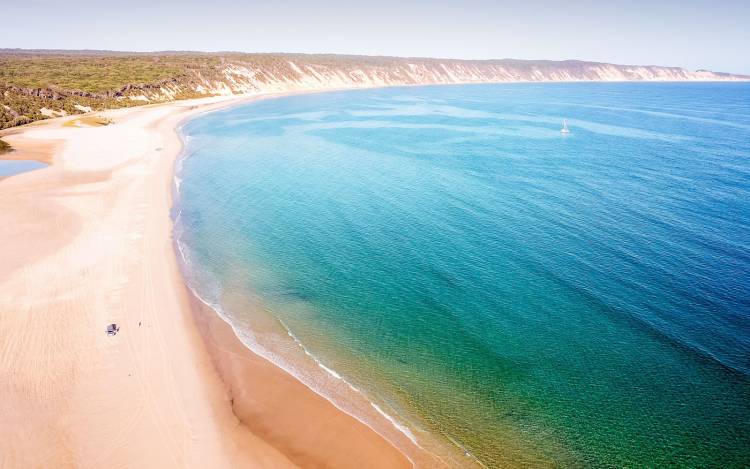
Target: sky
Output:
[(695, 34)]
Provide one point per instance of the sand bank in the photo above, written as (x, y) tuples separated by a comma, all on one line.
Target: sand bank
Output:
[(87, 242)]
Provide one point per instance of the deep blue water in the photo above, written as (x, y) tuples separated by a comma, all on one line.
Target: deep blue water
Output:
[(536, 298)]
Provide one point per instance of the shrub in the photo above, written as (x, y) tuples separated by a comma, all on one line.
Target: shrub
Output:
[(4, 147)]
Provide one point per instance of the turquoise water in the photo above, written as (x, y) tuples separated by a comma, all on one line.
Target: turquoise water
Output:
[(536, 298)]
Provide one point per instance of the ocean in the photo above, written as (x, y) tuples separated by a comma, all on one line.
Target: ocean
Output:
[(527, 297)]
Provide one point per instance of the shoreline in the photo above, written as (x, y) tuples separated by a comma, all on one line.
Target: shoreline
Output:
[(94, 246), (354, 402)]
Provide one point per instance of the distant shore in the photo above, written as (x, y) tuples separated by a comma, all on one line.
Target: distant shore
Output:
[(73, 82), (88, 242)]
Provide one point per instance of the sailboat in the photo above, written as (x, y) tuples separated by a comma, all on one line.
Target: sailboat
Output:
[(565, 129)]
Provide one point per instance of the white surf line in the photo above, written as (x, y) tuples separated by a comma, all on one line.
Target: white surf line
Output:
[(401, 428)]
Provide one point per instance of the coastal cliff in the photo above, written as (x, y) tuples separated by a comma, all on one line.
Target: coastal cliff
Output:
[(41, 84)]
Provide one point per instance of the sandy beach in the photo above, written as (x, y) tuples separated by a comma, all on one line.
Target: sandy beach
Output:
[(87, 242)]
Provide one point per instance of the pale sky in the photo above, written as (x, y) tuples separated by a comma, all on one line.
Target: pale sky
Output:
[(694, 34)]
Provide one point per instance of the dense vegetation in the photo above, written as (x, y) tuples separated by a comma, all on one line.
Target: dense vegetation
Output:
[(97, 73), (68, 82)]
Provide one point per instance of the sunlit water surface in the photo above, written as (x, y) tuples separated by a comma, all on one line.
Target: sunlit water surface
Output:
[(532, 297)]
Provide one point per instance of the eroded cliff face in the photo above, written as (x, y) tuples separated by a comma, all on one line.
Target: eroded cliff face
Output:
[(204, 75), (294, 74)]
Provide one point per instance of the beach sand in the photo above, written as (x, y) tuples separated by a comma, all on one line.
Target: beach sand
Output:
[(87, 242)]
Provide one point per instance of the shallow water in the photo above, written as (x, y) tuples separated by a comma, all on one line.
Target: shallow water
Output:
[(532, 297), (11, 167)]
